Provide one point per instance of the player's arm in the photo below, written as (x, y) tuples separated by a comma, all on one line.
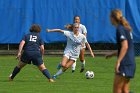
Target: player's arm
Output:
[(89, 48), (69, 27), (84, 30), (42, 49), (123, 51), (55, 30), (20, 49)]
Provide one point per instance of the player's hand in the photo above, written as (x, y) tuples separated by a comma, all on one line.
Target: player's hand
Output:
[(92, 55), (18, 56), (117, 65), (69, 26), (47, 30)]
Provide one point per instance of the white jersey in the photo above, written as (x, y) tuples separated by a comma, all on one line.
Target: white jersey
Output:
[(82, 29), (74, 43)]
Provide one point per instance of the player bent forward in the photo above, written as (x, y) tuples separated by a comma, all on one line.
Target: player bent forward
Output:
[(33, 52), (74, 42)]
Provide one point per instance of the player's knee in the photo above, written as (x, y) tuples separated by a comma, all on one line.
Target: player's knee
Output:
[(20, 66), (82, 59), (63, 65), (125, 91), (41, 67), (65, 68)]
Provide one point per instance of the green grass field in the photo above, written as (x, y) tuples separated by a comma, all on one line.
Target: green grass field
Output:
[(30, 80)]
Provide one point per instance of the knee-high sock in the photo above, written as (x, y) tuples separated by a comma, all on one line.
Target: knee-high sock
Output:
[(73, 66), (15, 72), (59, 72), (83, 64), (46, 73), (59, 66)]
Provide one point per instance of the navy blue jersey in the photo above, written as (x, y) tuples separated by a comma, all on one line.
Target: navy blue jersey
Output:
[(123, 34), (32, 42)]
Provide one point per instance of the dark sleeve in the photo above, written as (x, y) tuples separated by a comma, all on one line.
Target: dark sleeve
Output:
[(122, 35), (41, 41), (24, 37)]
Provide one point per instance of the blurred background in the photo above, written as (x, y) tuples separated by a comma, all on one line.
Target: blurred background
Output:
[(16, 17)]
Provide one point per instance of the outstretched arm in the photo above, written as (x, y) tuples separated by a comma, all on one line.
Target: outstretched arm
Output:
[(91, 52), (54, 30)]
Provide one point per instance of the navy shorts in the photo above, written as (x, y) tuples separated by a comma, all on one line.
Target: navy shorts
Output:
[(33, 57), (127, 71)]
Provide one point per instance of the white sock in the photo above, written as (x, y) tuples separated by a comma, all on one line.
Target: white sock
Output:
[(59, 72), (83, 64), (73, 66)]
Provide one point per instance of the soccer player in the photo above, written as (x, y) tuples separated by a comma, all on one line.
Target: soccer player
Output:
[(74, 42), (33, 52), (82, 30), (125, 64)]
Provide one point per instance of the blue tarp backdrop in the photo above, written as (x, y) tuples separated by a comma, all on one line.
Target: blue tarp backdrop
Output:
[(16, 17)]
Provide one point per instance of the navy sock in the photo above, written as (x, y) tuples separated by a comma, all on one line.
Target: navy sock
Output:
[(46, 73), (15, 72)]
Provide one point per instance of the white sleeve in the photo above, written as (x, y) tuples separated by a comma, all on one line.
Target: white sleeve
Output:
[(84, 30), (84, 39), (67, 33)]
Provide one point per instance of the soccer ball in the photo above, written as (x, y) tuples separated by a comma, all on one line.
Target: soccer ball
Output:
[(89, 74)]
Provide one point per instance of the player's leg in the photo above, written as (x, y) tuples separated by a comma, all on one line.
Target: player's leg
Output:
[(23, 61), (45, 72), (73, 67), (38, 61), (59, 66), (129, 71), (82, 59), (126, 85), (68, 64), (63, 63), (16, 70), (118, 84), (72, 60)]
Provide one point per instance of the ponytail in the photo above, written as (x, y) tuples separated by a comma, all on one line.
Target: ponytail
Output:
[(125, 23), (117, 15)]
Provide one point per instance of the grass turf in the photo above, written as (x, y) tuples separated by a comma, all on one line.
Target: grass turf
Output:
[(31, 80)]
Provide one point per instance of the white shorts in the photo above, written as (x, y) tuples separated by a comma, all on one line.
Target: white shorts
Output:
[(83, 47), (70, 56)]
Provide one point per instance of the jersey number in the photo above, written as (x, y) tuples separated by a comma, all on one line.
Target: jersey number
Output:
[(33, 38)]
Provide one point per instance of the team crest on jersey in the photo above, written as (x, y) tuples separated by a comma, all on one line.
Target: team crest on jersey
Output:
[(122, 37), (131, 35)]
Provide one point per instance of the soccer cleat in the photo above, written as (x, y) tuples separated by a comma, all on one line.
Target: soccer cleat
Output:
[(51, 80), (73, 71), (10, 79), (59, 66), (54, 76), (82, 70)]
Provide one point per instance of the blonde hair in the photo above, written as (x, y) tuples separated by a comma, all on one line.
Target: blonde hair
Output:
[(117, 15)]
